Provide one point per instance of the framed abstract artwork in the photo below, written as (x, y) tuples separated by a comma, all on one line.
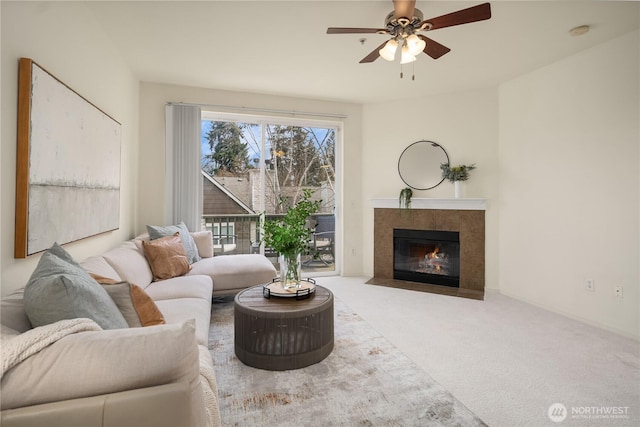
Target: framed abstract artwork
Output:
[(68, 164)]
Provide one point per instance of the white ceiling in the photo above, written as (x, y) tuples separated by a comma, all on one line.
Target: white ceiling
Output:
[(281, 47)]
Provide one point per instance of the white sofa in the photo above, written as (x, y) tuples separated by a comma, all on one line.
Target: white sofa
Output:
[(144, 376)]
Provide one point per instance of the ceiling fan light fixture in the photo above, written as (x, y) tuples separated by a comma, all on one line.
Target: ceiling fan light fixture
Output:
[(403, 24), (388, 52), (415, 44), (407, 57)]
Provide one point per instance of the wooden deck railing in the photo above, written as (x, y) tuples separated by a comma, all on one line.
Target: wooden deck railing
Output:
[(245, 236)]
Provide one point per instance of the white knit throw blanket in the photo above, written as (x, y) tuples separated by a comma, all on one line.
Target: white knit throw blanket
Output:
[(209, 388), (16, 348)]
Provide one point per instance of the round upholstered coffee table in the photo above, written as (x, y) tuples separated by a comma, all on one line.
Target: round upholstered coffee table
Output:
[(283, 333)]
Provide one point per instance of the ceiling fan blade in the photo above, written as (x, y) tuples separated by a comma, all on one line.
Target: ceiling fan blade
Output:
[(373, 55), (339, 30), (433, 48), (464, 16), (403, 8)]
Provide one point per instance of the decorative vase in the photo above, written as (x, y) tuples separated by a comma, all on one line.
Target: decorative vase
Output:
[(290, 271), (457, 189)]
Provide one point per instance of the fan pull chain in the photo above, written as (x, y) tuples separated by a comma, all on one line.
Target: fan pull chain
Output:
[(413, 72)]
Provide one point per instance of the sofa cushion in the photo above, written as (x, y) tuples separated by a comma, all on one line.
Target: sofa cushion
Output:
[(159, 406), (181, 287), (185, 309), (166, 257), (6, 332), (98, 265), (133, 302), (234, 272), (129, 262), (156, 232), (60, 289), (104, 362), (12, 313)]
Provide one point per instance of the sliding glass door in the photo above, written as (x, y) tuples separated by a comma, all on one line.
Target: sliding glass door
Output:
[(255, 164)]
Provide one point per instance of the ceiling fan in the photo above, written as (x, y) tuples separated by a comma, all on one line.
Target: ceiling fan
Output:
[(405, 22)]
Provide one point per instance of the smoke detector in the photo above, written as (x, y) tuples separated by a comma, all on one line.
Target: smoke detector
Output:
[(578, 31)]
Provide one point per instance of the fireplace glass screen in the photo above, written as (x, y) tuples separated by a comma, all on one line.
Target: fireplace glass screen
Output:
[(427, 256)]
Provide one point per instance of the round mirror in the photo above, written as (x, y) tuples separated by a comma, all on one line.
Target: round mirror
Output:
[(419, 165)]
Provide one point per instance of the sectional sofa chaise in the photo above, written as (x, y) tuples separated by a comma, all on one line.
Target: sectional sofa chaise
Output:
[(76, 372)]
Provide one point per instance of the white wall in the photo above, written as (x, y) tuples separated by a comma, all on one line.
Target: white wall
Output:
[(569, 185), (151, 174), (465, 124), (65, 39), (557, 153)]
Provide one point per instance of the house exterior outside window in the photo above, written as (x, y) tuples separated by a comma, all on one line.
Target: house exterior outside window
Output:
[(253, 165)]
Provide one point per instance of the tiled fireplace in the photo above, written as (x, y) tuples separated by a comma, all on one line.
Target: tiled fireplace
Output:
[(423, 262)]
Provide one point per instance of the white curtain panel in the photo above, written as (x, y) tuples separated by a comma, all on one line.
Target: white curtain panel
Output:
[(184, 180)]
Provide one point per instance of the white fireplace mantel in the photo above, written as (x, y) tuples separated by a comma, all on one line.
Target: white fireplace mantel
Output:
[(428, 203)]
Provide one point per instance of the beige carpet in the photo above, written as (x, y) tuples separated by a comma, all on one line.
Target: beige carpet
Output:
[(365, 381), (506, 360)]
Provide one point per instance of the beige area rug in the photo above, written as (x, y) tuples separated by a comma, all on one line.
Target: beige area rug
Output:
[(365, 381)]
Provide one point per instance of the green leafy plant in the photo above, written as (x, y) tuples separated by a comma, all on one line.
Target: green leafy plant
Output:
[(456, 173), (290, 235), (405, 198)]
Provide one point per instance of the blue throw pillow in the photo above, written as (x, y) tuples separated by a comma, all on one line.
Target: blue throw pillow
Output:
[(59, 289), (156, 232)]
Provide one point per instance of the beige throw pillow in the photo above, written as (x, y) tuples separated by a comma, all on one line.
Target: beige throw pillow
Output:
[(166, 257), (133, 302)]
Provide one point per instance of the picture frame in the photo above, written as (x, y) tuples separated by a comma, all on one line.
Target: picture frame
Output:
[(67, 164)]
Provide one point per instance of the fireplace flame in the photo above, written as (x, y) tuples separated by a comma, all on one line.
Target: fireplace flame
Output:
[(434, 254)]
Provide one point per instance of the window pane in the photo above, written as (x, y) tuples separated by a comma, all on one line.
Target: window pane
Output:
[(299, 158), (230, 157), (295, 158)]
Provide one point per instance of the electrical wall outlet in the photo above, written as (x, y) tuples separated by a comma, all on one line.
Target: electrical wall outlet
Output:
[(617, 291), (590, 285)]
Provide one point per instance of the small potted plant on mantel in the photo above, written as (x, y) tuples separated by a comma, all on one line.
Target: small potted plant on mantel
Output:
[(404, 200), (456, 174), (290, 237)]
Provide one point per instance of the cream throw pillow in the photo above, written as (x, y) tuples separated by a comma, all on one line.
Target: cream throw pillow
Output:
[(204, 243)]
